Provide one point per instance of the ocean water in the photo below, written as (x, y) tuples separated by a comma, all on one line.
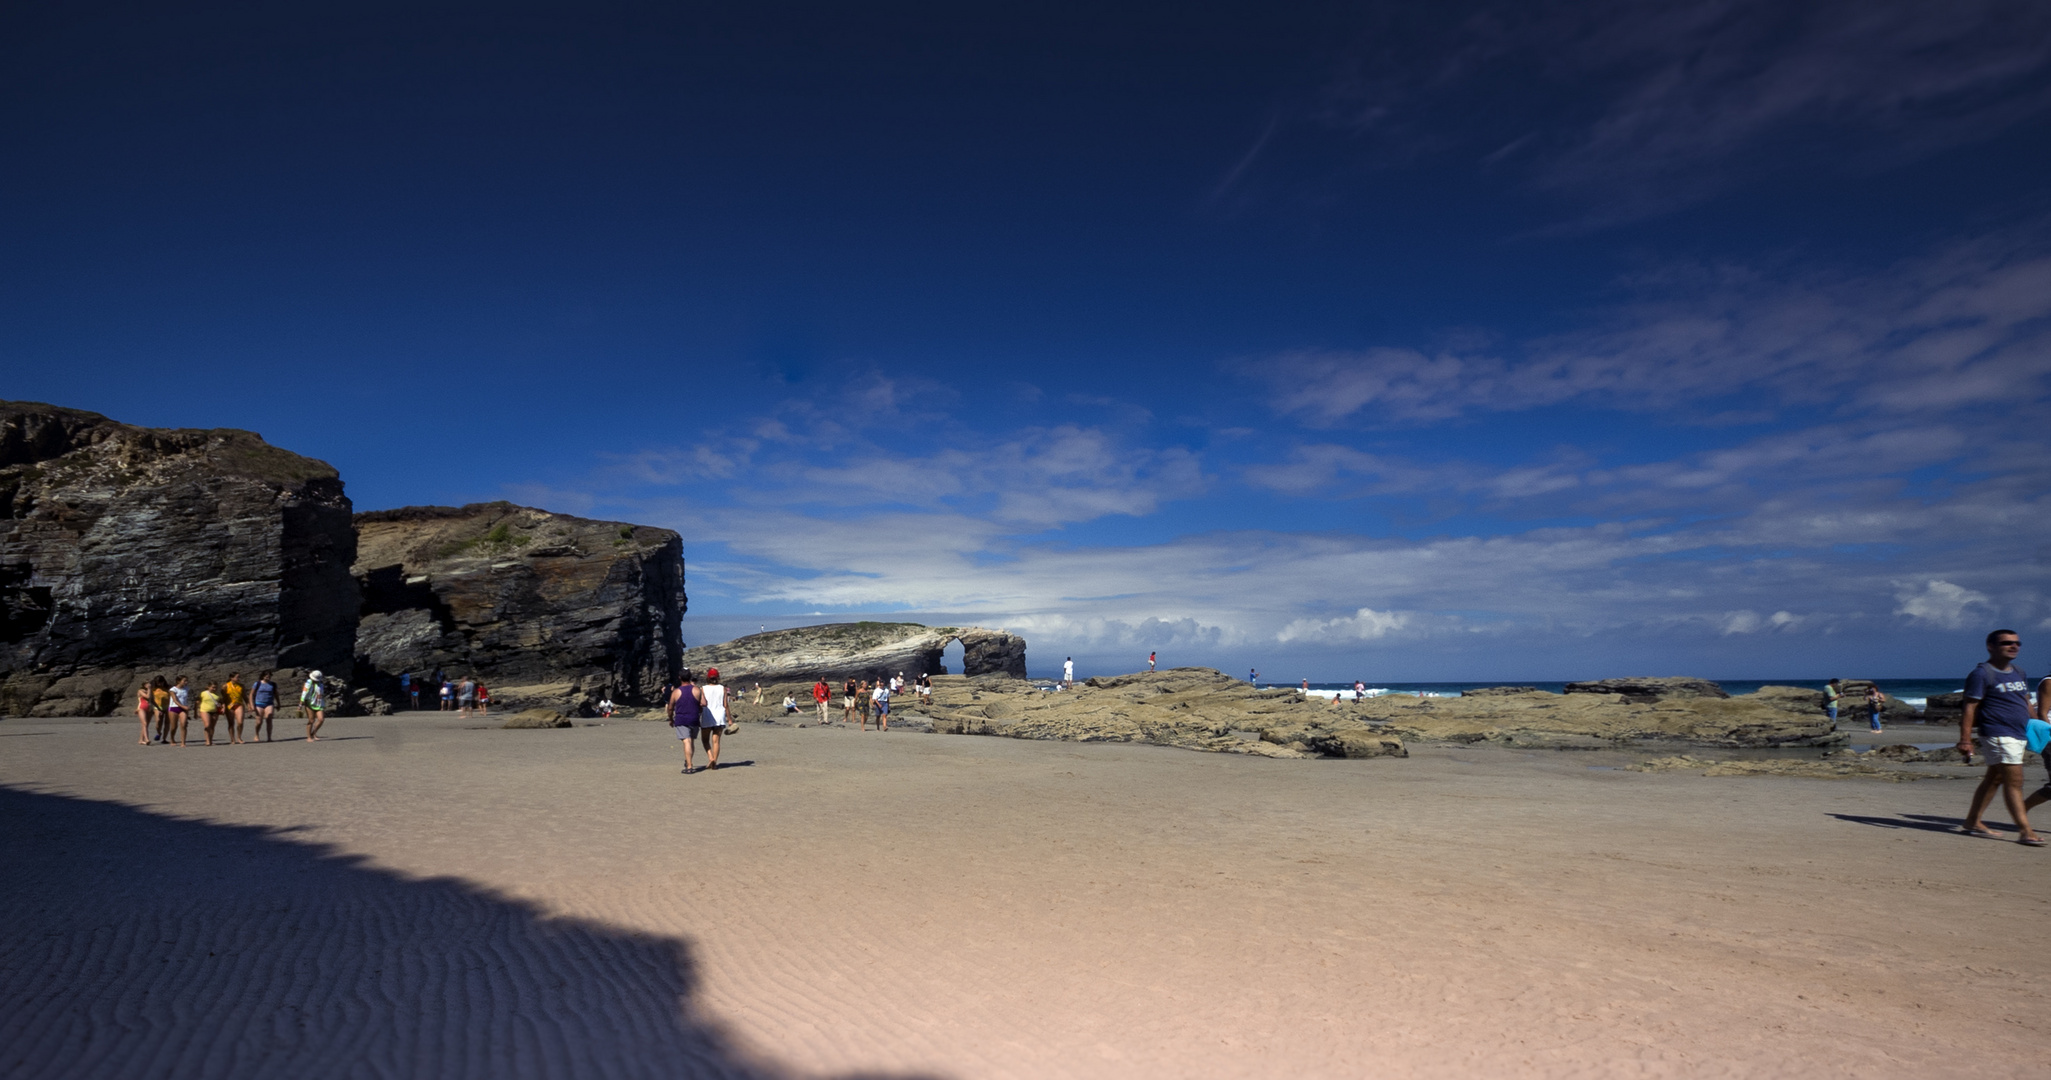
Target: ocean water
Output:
[(1913, 692)]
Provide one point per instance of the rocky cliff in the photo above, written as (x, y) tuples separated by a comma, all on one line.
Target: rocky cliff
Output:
[(129, 552), (863, 650), (518, 596)]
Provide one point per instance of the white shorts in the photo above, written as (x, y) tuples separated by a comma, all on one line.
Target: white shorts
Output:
[(2002, 750)]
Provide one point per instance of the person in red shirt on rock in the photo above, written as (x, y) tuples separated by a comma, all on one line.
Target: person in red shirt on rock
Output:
[(820, 694)]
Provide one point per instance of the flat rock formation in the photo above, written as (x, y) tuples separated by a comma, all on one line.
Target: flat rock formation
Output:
[(517, 595), (1498, 691), (1650, 689), (862, 650), (1833, 769), (1193, 708), (130, 552), (1203, 709)]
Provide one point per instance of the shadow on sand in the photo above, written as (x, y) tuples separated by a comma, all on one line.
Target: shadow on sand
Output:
[(144, 945)]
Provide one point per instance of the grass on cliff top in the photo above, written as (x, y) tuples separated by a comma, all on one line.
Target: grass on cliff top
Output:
[(497, 540)]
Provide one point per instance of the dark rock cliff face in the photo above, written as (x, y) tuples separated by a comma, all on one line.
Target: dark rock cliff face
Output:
[(128, 552), (864, 650), (518, 596)]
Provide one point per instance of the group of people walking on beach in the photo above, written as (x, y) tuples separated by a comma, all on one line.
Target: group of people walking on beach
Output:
[(457, 695), (165, 708)]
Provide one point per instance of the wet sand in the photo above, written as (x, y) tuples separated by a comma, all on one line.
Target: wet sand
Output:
[(412, 897)]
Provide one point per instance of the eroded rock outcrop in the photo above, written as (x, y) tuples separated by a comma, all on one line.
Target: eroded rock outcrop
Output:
[(1650, 689), (519, 597), (861, 650), (130, 552), (1203, 709)]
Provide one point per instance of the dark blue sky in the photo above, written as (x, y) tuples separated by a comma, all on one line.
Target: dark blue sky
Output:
[(1470, 341)]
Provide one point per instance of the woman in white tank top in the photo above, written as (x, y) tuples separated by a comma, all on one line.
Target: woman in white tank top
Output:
[(712, 721)]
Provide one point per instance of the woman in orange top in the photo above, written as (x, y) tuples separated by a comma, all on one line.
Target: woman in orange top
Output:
[(160, 695), (231, 706)]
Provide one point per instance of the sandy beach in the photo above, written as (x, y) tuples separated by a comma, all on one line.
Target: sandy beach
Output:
[(420, 896)]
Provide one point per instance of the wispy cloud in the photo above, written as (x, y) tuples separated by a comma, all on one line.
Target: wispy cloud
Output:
[(1967, 325), (1634, 108)]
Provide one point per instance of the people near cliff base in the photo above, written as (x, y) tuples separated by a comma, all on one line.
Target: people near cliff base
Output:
[(881, 697), (712, 719), (181, 708), (790, 705), (848, 693), (406, 690), (1875, 701), (160, 693), (448, 695), (483, 698), (145, 711), (313, 701), (926, 689), (820, 694), (231, 705), (865, 700), (210, 710), (466, 695), (686, 708), (263, 698), (1996, 722)]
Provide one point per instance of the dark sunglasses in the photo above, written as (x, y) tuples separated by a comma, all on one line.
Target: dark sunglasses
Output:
[(2006, 644)]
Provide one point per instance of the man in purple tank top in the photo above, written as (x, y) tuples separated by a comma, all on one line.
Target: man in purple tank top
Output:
[(686, 702)]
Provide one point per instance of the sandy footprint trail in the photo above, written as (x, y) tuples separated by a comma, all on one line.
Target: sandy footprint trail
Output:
[(415, 899)]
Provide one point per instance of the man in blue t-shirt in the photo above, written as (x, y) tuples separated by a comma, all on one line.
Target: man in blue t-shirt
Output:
[(1998, 705)]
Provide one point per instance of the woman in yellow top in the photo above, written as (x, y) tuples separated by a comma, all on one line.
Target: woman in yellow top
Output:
[(210, 709), (231, 703), (160, 693)]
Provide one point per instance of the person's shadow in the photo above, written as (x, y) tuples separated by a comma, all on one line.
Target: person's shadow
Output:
[(138, 944)]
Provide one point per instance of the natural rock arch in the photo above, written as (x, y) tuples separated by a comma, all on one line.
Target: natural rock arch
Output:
[(863, 650)]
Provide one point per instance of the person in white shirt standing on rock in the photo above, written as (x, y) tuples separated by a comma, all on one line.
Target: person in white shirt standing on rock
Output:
[(1068, 672)]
